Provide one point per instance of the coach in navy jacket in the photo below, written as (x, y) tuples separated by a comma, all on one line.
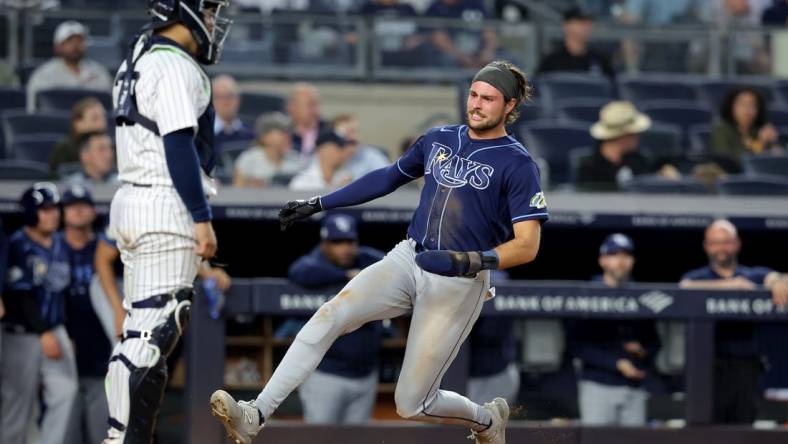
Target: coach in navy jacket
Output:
[(617, 356), (343, 389)]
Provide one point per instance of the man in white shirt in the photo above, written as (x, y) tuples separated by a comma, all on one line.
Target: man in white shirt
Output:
[(327, 170), (69, 68), (272, 156)]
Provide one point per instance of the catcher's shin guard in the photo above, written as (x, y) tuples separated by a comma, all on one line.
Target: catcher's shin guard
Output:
[(147, 384)]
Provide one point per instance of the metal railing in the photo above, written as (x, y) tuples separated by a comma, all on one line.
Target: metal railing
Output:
[(405, 48)]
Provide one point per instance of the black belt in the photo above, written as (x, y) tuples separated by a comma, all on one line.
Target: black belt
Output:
[(139, 185), (157, 301)]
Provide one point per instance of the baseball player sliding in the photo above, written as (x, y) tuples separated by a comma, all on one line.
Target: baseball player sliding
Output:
[(160, 217), (481, 209)]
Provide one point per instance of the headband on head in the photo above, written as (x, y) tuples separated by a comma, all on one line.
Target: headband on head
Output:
[(502, 79)]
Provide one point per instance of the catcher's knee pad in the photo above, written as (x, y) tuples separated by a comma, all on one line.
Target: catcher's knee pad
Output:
[(166, 335)]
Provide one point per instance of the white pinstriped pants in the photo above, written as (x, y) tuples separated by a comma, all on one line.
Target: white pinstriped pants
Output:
[(155, 236)]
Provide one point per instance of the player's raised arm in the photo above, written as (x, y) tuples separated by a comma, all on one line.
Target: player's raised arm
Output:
[(368, 187)]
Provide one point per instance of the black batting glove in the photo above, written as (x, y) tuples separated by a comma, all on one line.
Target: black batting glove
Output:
[(296, 210)]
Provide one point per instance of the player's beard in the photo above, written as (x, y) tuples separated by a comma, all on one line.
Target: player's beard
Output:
[(723, 260), (484, 125)]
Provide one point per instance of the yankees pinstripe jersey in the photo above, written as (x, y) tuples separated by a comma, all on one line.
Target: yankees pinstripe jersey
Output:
[(172, 90)]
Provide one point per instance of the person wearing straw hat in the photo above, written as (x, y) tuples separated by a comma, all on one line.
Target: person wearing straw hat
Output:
[(616, 160)]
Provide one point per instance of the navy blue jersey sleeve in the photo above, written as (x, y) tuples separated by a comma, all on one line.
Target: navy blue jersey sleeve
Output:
[(524, 193), (411, 164)]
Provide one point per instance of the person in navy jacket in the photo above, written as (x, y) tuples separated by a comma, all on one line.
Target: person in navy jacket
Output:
[(739, 355), (617, 356), (343, 389)]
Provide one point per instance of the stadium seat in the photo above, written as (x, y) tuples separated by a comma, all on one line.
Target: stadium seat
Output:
[(712, 92), (17, 123), (678, 112), (231, 151), (556, 87), (580, 110), (12, 99), (34, 147), (13, 169), (553, 141), (662, 141), (254, 104), (67, 169), (700, 138), (650, 184), (64, 99), (780, 89), (753, 186), (766, 165), (576, 158), (778, 116), (640, 90)]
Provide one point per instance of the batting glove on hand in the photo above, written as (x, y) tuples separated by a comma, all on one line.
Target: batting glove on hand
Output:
[(456, 263), (297, 210)]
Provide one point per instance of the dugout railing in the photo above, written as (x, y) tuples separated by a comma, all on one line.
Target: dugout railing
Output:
[(698, 308)]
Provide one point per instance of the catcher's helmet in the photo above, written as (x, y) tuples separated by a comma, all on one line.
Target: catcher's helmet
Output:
[(40, 195), (202, 17)]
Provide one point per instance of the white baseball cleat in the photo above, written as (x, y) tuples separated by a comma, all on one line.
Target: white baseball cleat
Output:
[(496, 433), (241, 419)]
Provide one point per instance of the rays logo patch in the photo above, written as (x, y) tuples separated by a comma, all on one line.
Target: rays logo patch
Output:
[(538, 201), (453, 171)]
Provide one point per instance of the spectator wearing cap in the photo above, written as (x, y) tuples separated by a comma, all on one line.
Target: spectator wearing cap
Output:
[(271, 157), (92, 346), (617, 356), (343, 388), (365, 157), (574, 55), (69, 68), (36, 349), (616, 160), (97, 160), (327, 169), (738, 365), (88, 115), (227, 126)]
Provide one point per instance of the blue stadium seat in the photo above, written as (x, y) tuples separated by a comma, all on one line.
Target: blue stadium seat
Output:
[(678, 112), (662, 141), (639, 90), (16, 124), (254, 104), (34, 147), (12, 99), (230, 152), (650, 184), (13, 169), (553, 141), (766, 166), (65, 99), (780, 89), (778, 116), (700, 138), (555, 87), (753, 186), (580, 110), (712, 92), (576, 158)]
